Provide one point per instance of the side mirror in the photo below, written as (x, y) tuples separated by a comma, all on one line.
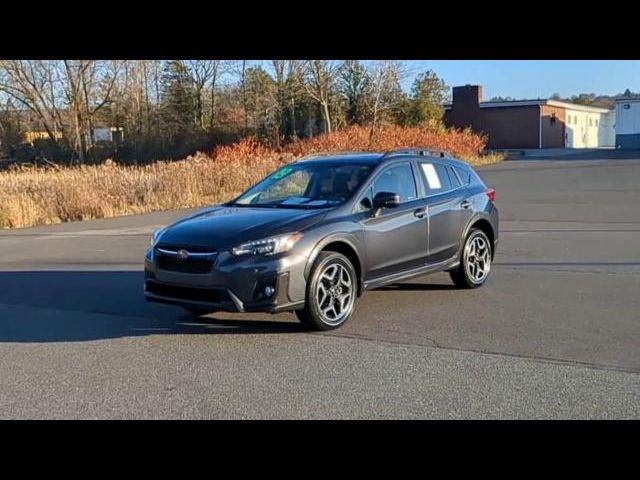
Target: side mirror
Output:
[(386, 200)]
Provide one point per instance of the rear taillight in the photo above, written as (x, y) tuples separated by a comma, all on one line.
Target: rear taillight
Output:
[(491, 193)]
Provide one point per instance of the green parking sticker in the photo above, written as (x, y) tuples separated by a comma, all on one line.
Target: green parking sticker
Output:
[(282, 173)]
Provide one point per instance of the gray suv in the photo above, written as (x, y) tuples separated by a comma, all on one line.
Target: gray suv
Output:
[(312, 236)]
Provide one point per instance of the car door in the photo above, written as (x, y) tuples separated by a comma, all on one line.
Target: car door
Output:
[(395, 238), (449, 210)]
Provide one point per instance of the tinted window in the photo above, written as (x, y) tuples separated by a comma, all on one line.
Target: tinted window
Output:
[(464, 175), (476, 179), (398, 179), (455, 183), (437, 178)]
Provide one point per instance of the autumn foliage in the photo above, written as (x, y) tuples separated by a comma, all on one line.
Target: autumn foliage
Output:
[(32, 196), (460, 143)]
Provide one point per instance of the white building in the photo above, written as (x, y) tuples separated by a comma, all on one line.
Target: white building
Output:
[(628, 122), (107, 134), (587, 127)]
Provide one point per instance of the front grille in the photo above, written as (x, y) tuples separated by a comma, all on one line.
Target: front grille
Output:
[(210, 295), (190, 265), (190, 248)]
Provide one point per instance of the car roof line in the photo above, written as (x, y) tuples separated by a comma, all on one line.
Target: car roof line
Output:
[(316, 155), (420, 151)]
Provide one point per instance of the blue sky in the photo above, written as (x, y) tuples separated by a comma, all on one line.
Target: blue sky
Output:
[(536, 78)]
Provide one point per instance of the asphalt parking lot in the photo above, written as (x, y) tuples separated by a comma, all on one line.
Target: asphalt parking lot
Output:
[(555, 333)]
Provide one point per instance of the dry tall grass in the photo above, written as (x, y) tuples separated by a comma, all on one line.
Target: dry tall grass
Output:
[(34, 196)]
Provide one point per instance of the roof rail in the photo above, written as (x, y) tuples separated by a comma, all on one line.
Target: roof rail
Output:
[(329, 153), (427, 152)]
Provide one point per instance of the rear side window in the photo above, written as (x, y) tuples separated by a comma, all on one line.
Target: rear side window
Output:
[(436, 178), (455, 183), (475, 177), (465, 175)]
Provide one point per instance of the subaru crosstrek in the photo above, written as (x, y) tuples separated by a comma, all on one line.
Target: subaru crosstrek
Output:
[(315, 234)]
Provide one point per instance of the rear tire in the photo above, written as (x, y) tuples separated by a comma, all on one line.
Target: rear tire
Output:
[(475, 261), (331, 293)]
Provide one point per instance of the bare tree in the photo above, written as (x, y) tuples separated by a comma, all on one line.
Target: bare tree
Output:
[(219, 68), (88, 85), (321, 78), (33, 84), (289, 85), (242, 70), (204, 73), (383, 91), (131, 104)]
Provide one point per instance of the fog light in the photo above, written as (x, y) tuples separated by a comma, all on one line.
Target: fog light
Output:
[(269, 291)]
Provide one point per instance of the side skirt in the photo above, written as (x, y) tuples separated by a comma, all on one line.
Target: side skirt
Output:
[(415, 272)]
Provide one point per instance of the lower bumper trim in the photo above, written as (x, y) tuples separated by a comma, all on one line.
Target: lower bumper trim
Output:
[(218, 299)]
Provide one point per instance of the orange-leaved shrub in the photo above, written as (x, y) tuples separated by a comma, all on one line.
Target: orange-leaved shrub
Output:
[(460, 143)]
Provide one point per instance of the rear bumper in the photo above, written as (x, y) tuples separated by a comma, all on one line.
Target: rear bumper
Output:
[(495, 223), (231, 285)]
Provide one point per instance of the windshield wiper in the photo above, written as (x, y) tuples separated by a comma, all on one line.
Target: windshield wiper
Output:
[(298, 206), (249, 205)]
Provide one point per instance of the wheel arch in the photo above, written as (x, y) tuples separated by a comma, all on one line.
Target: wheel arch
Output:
[(485, 225), (343, 244)]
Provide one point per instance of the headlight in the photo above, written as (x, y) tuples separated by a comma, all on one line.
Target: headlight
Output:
[(155, 237), (268, 246)]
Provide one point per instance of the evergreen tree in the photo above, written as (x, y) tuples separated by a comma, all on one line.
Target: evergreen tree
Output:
[(178, 100), (352, 84)]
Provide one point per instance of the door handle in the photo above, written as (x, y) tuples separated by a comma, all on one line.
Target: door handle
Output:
[(465, 204), (421, 212)]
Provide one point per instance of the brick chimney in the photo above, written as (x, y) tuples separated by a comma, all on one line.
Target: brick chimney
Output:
[(467, 98)]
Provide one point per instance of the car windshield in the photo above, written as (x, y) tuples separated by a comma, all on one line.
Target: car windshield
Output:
[(307, 185)]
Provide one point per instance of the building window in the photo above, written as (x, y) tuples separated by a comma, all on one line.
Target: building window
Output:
[(596, 122), (591, 122)]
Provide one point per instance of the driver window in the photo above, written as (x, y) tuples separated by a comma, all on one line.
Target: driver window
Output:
[(397, 179)]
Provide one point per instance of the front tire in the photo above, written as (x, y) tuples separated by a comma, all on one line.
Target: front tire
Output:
[(331, 293), (475, 261)]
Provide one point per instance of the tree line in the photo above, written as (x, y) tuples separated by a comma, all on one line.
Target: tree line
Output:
[(169, 108)]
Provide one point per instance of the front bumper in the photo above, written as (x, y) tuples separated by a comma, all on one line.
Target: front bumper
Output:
[(232, 284)]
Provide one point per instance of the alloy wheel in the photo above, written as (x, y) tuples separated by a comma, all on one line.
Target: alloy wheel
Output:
[(477, 258), (334, 294)]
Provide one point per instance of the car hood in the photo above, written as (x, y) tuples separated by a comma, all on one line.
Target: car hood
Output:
[(224, 227)]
